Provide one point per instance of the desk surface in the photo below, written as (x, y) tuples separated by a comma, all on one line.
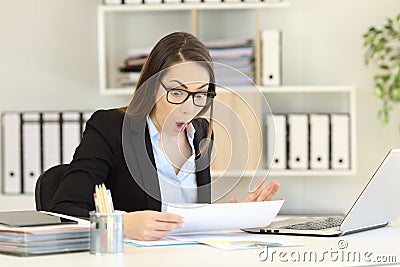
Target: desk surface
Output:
[(374, 245)]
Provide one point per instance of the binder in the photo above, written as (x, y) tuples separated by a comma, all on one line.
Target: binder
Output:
[(319, 141), (51, 144), (112, 2), (298, 141), (153, 1), (128, 2), (276, 141), (11, 153), (31, 151), (340, 141), (71, 134), (271, 57)]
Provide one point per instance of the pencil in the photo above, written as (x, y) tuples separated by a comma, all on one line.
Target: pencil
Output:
[(105, 200)]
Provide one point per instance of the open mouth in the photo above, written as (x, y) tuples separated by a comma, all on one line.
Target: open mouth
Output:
[(180, 126)]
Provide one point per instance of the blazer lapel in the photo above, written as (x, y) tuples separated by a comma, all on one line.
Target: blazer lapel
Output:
[(139, 157), (202, 162)]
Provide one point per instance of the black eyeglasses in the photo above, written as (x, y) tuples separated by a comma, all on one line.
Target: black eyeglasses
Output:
[(179, 96)]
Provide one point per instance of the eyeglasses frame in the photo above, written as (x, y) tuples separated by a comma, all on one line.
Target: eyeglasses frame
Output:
[(167, 89)]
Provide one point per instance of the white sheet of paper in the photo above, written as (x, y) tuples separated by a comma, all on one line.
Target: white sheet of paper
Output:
[(225, 216)]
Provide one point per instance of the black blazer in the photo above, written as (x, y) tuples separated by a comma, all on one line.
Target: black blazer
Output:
[(128, 170)]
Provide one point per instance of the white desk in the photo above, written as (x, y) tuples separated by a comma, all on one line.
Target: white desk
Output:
[(378, 242)]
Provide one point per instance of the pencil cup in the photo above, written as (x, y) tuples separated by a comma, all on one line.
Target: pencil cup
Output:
[(106, 233)]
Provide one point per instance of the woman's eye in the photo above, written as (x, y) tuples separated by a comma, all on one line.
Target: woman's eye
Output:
[(201, 95), (176, 92)]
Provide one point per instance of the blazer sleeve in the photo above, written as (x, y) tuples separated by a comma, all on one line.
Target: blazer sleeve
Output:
[(92, 162)]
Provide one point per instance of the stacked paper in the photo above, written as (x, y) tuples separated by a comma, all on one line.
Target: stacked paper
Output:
[(26, 241), (129, 73), (234, 61)]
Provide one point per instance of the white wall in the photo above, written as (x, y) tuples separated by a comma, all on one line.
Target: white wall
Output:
[(48, 61)]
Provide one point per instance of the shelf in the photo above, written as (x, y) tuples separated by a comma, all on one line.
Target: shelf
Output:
[(265, 89), (284, 173), (114, 26), (297, 99), (293, 89), (191, 6), (107, 13)]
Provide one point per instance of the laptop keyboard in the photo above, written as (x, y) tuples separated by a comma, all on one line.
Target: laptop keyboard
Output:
[(316, 225)]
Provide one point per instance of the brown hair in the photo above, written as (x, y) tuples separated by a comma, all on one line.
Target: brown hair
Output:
[(173, 48)]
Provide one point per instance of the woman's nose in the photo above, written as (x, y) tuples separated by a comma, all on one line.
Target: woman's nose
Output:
[(188, 106)]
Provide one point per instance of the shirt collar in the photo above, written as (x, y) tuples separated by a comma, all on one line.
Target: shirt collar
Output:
[(152, 128)]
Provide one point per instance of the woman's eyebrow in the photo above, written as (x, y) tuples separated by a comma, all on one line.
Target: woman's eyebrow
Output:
[(184, 85)]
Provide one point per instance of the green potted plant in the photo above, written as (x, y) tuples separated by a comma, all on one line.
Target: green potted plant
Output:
[(383, 48)]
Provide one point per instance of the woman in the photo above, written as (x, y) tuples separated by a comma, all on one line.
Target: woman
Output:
[(155, 151)]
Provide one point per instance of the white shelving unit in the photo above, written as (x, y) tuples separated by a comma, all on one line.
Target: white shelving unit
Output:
[(305, 99), (192, 6), (282, 99), (106, 71)]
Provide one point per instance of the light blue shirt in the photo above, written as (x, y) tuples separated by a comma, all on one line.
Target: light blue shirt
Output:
[(174, 188)]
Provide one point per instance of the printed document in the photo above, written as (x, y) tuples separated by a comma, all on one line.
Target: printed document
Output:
[(225, 216)]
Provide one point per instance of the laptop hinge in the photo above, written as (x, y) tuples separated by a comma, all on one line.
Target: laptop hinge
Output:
[(356, 230)]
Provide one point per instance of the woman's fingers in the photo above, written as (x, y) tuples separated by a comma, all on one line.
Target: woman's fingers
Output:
[(150, 225), (269, 191), (168, 217), (252, 196), (162, 224), (263, 194)]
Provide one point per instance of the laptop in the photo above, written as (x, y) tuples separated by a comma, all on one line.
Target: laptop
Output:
[(375, 207)]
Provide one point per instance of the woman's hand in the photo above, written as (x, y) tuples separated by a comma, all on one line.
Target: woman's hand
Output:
[(261, 194), (150, 225)]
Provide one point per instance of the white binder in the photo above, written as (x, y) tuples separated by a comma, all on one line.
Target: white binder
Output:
[(271, 57), (112, 2), (128, 2), (51, 139), (319, 141), (71, 134), (31, 151), (298, 141), (276, 142), (340, 141), (11, 144)]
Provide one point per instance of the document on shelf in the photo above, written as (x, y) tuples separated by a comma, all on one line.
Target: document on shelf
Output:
[(225, 216)]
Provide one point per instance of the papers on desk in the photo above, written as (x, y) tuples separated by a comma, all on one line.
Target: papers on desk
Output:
[(37, 240), (225, 216), (166, 241), (230, 241), (221, 240)]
